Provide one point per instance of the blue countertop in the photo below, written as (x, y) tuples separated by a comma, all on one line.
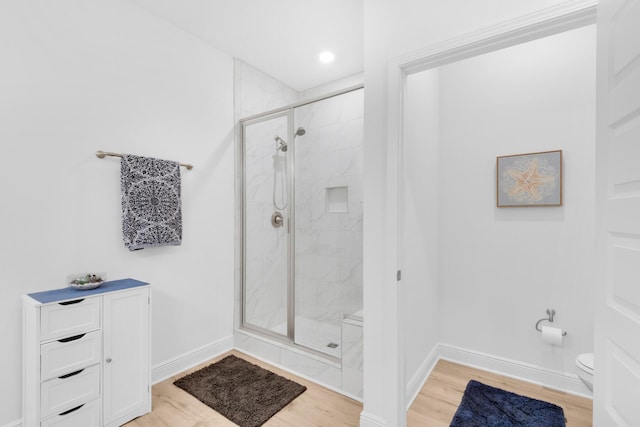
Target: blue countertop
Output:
[(69, 293)]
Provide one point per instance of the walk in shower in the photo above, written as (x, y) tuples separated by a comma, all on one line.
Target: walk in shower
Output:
[(302, 221)]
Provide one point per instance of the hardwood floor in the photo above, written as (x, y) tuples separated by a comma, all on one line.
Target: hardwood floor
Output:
[(316, 407), (440, 396), (320, 407)]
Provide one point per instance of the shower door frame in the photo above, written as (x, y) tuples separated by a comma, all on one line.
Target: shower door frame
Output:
[(287, 111), (290, 285)]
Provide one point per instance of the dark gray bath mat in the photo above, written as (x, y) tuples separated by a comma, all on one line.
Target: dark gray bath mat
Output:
[(243, 392)]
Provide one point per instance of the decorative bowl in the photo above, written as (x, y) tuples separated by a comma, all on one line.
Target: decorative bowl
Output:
[(86, 281)]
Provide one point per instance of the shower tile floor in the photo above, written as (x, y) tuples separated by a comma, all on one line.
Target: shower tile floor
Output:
[(319, 336), (316, 335)]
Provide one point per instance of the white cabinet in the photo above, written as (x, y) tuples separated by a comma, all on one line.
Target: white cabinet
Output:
[(126, 367), (87, 355)]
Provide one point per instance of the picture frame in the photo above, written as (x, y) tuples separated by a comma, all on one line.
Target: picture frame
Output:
[(529, 180)]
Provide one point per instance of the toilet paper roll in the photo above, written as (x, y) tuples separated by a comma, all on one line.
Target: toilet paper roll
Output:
[(552, 335)]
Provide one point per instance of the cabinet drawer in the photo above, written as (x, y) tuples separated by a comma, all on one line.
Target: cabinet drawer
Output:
[(70, 318), (87, 415), (61, 394), (70, 354)]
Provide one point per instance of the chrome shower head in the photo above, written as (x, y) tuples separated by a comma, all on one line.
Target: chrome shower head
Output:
[(300, 131)]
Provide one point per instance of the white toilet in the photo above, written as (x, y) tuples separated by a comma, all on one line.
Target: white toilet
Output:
[(584, 362)]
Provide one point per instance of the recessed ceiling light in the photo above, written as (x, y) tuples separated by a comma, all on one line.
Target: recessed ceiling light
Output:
[(326, 57)]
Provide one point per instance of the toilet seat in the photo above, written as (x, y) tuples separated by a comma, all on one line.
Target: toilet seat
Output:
[(585, 362)]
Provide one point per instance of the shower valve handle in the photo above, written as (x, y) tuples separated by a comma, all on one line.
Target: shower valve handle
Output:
[(277, 219)]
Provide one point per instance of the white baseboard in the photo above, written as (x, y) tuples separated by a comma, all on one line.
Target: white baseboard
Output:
[(420, 377), (562, 381), (370, 420), (188, 360), (17, 423)]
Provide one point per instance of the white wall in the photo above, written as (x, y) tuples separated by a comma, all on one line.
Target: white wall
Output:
[(77, 77), (420, 219), (503, 267), (393, 29)]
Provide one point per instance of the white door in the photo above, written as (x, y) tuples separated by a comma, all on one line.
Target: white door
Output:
[(126, 352), (617, 346)]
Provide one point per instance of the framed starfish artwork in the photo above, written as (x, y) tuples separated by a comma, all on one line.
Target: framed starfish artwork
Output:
[(533, 179)]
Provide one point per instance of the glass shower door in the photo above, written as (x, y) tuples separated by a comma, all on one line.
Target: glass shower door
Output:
[(328, 219), (302, 225), (266, 212)]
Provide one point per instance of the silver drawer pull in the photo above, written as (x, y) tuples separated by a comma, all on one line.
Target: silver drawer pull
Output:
[(71, 410), (71, 374), (73, 338), (75, 301)]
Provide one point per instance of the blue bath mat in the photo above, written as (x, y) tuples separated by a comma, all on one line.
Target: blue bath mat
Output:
[(485, 406)]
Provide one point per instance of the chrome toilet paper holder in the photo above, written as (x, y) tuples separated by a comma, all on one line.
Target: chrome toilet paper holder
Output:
[(550, 312)]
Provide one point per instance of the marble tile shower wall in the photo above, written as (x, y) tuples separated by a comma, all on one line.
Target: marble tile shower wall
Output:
[(328, 245), (328, 248), (256, 92), (266, 246)]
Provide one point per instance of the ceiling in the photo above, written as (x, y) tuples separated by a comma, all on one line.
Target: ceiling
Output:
[(282, 38)]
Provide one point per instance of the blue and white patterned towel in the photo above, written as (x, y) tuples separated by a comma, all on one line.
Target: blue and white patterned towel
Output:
[(151, 206)]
